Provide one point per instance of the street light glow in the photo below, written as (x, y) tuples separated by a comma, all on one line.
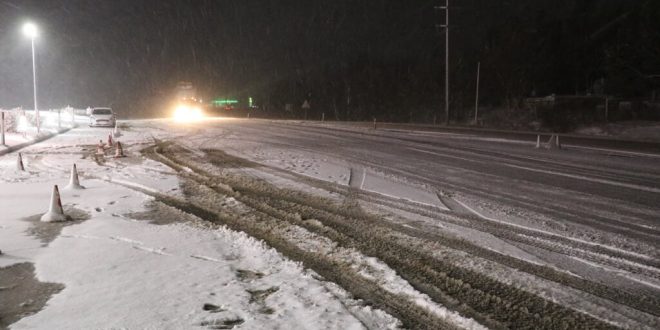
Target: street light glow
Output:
[(30, 30)]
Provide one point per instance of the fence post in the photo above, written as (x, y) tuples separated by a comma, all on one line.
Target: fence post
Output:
[(476, 98), (2, 128), (607, 108)]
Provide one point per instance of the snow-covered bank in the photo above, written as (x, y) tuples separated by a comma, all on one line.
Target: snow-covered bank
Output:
[(632, 130)]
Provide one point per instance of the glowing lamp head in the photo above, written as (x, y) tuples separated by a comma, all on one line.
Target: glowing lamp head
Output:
[(30, 30)]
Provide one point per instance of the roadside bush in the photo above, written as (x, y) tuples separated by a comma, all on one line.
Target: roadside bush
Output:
[(11, 120)]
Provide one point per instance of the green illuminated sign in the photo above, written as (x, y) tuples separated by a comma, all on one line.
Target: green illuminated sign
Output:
[(224, 101)]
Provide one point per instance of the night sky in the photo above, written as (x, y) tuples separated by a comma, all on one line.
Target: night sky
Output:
[(121, 52), (357, 59)]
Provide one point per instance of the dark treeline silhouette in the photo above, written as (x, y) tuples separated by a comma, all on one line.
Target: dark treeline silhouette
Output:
[(352, 59)]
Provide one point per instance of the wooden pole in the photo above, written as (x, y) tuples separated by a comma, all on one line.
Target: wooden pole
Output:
[(607, 106), (2, 128), (476, 98)]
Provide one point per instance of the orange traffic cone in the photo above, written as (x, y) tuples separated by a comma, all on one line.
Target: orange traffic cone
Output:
[(119, 152), (19, 163), (74, 182), (110, 140), (55, 212)]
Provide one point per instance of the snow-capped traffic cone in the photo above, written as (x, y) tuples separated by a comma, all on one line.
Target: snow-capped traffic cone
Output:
[(110, 140), (538, 141), (74, 182), (119, 152), (116, 133), (553, 143), (557, 143), (55, 212), (19, 163)]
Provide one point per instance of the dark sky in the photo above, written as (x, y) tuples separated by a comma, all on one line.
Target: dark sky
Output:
[(364, 56), (113, 52)]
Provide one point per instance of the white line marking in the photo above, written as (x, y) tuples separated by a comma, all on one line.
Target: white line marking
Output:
[(614, 249), (599, 255), (615, 151), (572, 176), (364, 177), (625, 274), (205, 258), (580, 177)]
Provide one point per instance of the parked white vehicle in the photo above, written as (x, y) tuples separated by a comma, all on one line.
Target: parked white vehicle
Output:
[(102, 117)]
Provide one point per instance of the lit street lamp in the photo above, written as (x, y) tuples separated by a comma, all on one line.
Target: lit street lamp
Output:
[(31, 31)]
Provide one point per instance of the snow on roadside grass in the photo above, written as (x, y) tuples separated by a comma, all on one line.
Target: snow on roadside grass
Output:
[(153, 277)]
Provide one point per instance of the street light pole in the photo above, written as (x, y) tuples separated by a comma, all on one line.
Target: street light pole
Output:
[(34, 81), (476, 98), (30, 30)]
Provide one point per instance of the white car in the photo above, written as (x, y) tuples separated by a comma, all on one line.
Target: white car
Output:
[(102, 117)]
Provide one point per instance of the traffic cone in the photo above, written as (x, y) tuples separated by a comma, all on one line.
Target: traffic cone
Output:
[(19, 163), (119, 152), (74, 182), (55, 212), (116, 133), (553, 143), (538, 141), (110, 140), (99, 148), (558, 144)]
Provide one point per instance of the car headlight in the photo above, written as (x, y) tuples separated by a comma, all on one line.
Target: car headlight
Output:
[(184, 113)]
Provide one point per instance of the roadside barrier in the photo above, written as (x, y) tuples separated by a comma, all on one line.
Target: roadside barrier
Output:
[(55, 211)]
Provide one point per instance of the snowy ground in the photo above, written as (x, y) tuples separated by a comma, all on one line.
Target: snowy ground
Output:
[(634, 130), (131, 258), (121, 272)]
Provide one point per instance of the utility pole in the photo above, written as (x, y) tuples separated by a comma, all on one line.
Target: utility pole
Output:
[(476, 98), (446, 27)]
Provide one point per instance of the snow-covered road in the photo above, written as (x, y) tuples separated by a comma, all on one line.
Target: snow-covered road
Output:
[(369, 229)]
